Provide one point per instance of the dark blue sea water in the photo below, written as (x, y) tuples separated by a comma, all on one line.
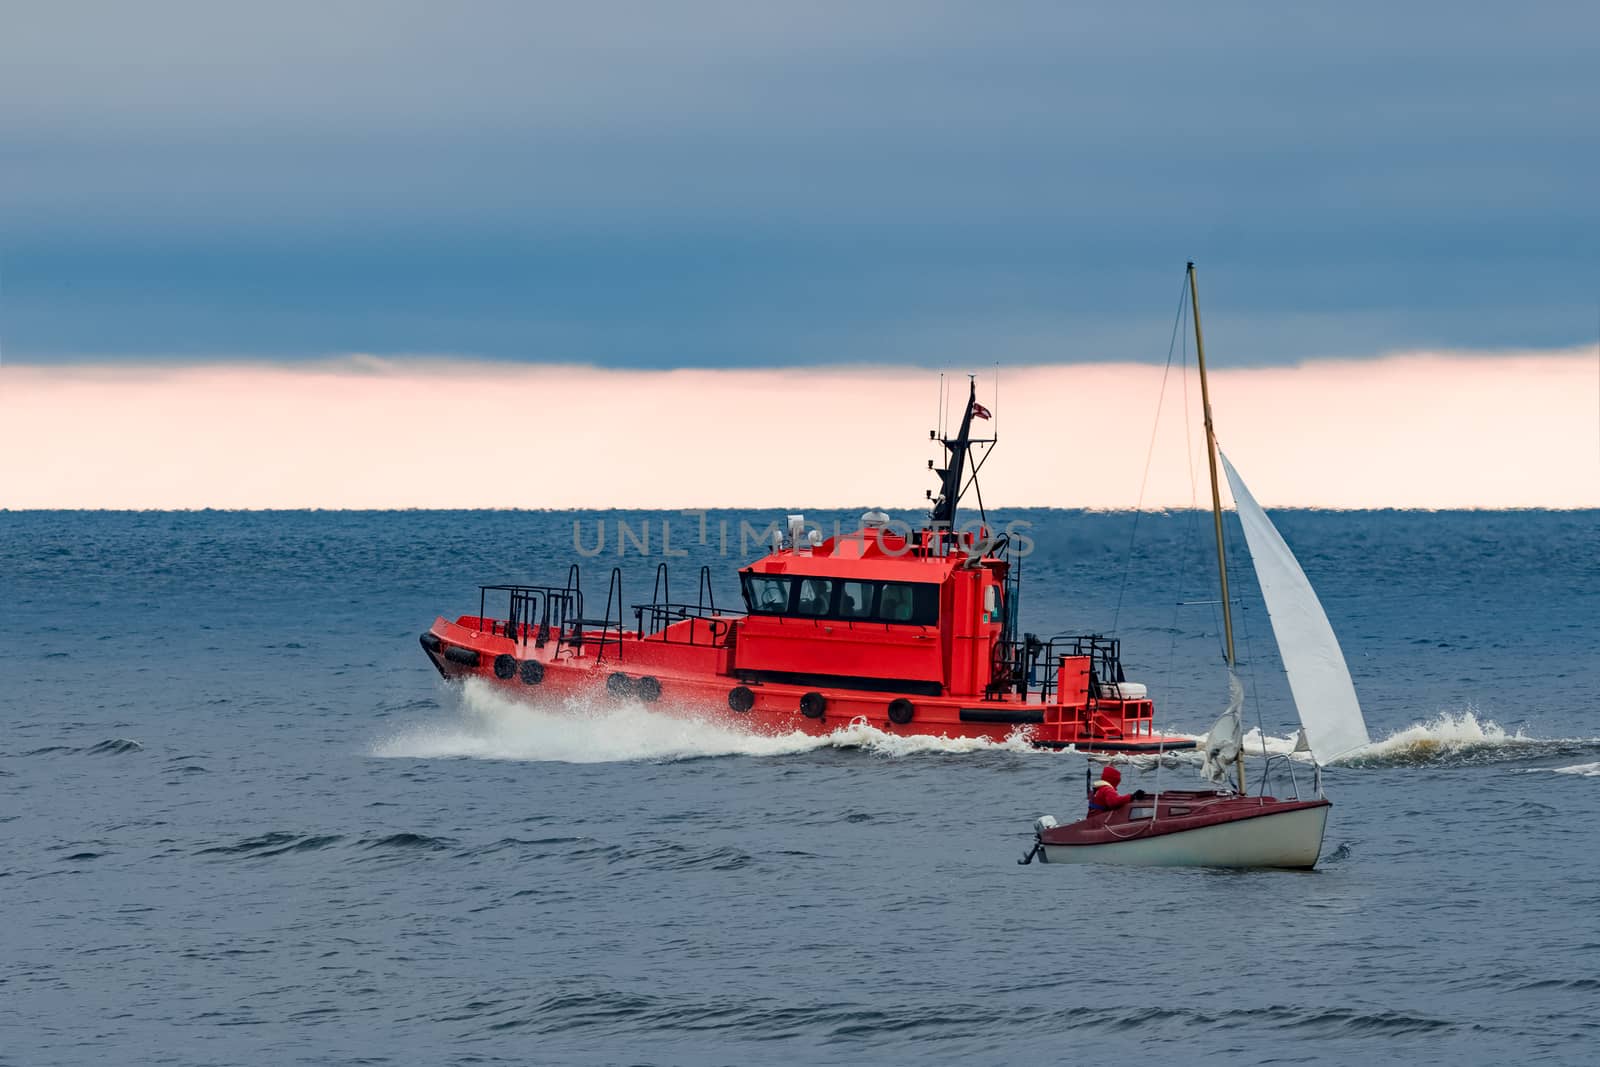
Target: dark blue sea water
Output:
[(244, 822)]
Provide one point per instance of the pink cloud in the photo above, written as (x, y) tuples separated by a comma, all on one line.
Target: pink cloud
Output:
[(1429, 430)]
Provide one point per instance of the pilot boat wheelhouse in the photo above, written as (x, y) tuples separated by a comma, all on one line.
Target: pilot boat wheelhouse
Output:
[(912, 631)]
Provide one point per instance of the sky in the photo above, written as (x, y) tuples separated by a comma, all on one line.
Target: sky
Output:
[(1415, 431), (897, 186)]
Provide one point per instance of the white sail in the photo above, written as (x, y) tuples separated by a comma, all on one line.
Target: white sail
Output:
[(1323, 693)]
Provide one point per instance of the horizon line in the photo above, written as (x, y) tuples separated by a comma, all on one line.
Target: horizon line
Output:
[(797, 509), (377, 362)]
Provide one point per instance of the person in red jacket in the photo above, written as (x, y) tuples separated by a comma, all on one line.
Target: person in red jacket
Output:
[(1105, 796)]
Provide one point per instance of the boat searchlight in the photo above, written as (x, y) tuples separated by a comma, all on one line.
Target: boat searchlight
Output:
[(799, 539)]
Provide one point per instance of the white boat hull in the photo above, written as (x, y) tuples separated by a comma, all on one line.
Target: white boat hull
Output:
[(1284, 839)]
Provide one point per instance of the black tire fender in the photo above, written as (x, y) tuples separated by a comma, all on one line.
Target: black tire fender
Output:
[(901, 711), (467, 657), (813, 705), (532, 672), (647, 689), (741, 699), (619, 685), (505, 667)]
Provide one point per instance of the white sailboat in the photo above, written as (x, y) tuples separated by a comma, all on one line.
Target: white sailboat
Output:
[(1228, 827)]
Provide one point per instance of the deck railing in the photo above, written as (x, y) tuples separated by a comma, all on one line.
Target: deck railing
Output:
[(538, 613)]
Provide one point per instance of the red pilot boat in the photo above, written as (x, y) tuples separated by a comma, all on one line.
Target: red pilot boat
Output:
[(913, 631)]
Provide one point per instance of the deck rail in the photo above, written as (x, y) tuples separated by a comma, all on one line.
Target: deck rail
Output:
[(538, 613), (1031, 666)]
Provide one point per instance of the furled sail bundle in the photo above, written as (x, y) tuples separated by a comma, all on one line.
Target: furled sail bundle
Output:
[(1220, 748)]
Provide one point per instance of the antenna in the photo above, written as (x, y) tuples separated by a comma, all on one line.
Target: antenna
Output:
[(994, 431), (944, 408)]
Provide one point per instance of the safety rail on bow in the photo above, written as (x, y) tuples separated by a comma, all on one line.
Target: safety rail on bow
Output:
[(706, 623)]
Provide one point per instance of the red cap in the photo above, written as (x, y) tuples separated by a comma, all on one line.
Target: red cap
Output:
[(1111, 775)]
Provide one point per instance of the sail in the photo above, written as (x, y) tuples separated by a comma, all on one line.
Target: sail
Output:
[(1323, 693), (1220, 746)]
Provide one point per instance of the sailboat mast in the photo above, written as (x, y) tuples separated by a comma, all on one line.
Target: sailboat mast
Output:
[(1211, 458), (1216, 492)]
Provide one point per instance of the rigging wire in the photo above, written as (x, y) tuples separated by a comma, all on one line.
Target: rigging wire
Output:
[(995, 430), (1192, 538), (1150, 453), (1144, 481), (1252, 694), (1194, 498)]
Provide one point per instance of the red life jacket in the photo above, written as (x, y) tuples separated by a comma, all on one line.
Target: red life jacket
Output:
[(1106, 798)]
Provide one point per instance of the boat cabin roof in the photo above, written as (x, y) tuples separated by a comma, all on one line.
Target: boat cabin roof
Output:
[(868, 554)]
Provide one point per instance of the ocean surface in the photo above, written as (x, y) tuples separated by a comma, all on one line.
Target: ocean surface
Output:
[(245, 822)]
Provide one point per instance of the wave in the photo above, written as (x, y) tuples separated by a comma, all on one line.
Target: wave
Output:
[(275, 843), (656, 855), (408, 840), (283, 843), (1455, 740), (115, 746), (489, 725), (1447, 740), (962, 1028), (1587, 770)]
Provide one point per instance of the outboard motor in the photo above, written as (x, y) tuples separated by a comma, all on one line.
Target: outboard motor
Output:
[(1040, 825)]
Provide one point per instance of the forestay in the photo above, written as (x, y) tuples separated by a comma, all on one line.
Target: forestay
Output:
[(1318, 678)]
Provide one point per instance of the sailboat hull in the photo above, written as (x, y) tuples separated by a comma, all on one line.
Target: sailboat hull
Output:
[(1235, 832)]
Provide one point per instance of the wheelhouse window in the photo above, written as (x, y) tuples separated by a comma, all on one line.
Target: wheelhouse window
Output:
[(894, 604), (855, 599), (903, 603), (916, 603), (766, 595), (816, 597)]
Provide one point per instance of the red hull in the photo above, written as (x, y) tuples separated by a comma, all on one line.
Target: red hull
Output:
[(689, 678)]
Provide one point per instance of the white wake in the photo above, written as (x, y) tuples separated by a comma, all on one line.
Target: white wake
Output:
[(484, 724), (1448, 738)]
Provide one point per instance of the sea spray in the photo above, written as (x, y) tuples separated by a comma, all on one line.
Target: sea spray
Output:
[(482, 723), (1447, 738), (485, 724)]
